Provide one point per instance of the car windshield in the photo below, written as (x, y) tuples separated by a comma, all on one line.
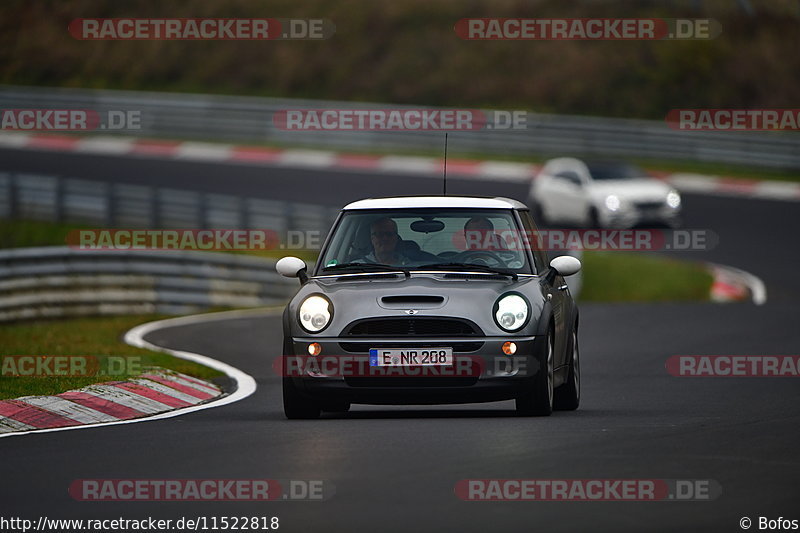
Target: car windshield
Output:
[(479, 240), (614, 171)]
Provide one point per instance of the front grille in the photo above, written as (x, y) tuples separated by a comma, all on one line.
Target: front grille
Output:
[(410, 327), (649, 205), (363, 347), (416, 382)]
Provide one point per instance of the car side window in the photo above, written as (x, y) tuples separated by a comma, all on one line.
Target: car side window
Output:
[(539, 256), (570, 176)]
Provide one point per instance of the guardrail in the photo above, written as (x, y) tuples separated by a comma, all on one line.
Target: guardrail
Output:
[(198, 116), (57, 199), (60, 281)]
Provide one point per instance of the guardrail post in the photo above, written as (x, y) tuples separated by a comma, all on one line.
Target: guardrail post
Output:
[(244, 213), (155, 208), (203, 210), (111, 205), (58, 204), (13, 208)]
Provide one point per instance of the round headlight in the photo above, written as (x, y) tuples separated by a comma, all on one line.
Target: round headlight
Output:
[(673, 199), (612, 202), (512, 312), (315, 313)]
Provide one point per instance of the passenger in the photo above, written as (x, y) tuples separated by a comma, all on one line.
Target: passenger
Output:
[(479, 235)]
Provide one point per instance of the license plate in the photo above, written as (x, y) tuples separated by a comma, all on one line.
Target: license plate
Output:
[(410, 356)]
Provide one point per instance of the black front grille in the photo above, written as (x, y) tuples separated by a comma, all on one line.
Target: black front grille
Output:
[(415, 382), (363, 347), (410, 327), (649, 205)]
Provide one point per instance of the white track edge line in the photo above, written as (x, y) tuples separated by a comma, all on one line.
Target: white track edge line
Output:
[(246, 384)]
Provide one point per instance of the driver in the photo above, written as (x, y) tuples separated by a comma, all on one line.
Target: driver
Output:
[(479, 235), (384, 237)]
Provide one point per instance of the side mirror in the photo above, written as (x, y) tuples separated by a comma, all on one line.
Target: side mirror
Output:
[(292, 267), (565, 265)]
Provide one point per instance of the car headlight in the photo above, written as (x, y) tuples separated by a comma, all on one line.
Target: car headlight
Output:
[(612, 202), (673, 199), (511, 312), (315, 313)]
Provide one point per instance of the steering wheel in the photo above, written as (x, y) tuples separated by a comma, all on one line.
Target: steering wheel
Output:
[(481, 256)]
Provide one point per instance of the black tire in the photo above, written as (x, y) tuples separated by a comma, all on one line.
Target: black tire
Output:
[(539, 400), (594, 218), (297, 406), (567, 397), (335, 407)]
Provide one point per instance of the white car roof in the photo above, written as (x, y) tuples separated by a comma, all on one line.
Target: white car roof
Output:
[(470, 202)]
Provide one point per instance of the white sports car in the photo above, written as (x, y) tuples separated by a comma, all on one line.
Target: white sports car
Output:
[(601, 194)]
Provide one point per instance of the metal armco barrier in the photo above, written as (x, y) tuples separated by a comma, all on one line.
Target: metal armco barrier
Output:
[(229, 118), (58, 281), (59, 199), (62, 281)]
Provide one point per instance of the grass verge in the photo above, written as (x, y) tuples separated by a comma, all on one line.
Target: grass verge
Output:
[(638, 277), (99, 337)]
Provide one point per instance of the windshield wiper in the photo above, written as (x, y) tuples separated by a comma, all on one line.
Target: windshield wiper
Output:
[(469, 266), (368, 267)]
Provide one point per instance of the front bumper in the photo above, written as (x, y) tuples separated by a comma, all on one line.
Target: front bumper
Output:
[(632, 216), (482, 372)]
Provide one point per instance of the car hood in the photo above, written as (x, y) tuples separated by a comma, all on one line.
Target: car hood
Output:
[(421, 295), (640, 189)]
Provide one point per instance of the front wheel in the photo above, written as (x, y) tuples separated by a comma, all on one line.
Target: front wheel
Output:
[(539, 400), (296, 406), (568, 396), (594, 219), (336, 407)]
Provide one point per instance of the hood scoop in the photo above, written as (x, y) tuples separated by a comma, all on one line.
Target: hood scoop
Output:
[(411, 301), (367, 277)]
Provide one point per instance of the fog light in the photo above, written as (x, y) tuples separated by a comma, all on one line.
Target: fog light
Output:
[(314, 348), (509, 348)]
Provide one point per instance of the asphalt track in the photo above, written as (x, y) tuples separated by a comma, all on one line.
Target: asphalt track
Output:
[(394, 469)]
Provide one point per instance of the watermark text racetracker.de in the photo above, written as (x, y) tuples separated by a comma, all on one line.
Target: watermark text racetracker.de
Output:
[(192, 239), (197, 490), (734, 366), (587, 490), (200, 29), (42, 366), (586, 29), (734, 119), (398, 119), (591, 239), (69, 119)]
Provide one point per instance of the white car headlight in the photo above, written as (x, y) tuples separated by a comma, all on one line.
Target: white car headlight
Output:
[(612, 202), (315, 313), (673, 199), (512, 312)]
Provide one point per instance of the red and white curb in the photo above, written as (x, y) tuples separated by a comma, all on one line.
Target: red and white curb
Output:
[(156, 394), (735, 285), (714, 185), (323, 159), (256, 155), (155, 391)]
